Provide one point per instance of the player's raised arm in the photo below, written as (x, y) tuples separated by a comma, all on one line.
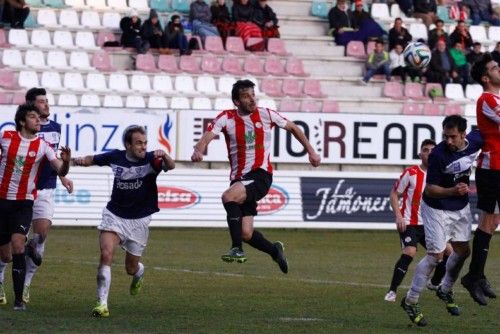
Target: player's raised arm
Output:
[(201, 146), (61, 166), (85, 161), (314, 158), (168, 162)]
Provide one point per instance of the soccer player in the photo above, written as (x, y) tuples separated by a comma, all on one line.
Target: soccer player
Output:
[(486, 72), (22, 152), (248, 131), (409, 220), (126, 218), (446, 213)]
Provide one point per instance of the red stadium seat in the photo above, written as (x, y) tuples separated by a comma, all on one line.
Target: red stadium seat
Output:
[(355, 49), (273, 66), (312, 87), (289, 105), (394, 90), (310, 106), (453, 109), (253, 65), (104, 36), (19, 98), (291, 87), (102, 62), (3, 39), (232, 65), (411, 108), (5, 98), (432, 109), (168, 63), (272, 87), (189, 64), (210, 64), (146, 62), (370, 46), (214, 44), (235, 45), (8, 80), (415, 91), (330, 106), (276, 46), (295, 67)]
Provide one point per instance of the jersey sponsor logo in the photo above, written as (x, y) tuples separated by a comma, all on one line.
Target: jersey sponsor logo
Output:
[(163, 134), (276, 199), (170, 197), (122, 185), (250, 137), (19, 164)]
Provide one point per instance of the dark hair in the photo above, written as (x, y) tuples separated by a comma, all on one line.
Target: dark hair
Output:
[(32, 93), (455, 121), (129, 132), (460, 21), (21, 113), (379, 41), (398, 19), (174, 17), (478, 69), (476, 44), (439, 21), (239, 85), (426, 142)]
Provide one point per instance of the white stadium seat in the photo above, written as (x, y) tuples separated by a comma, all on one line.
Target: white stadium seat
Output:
[(473, 91), (226, 84), (51, 99), (67, 99), (179, 102), (140, 83), (118, 82), (267, 103), (51, 80), (40, 37), (46, 17), (141, 5), (206, 84), (479, 33), (113, 101), (162, 84), (35, 59), (111, 20), (223, 103), (75, 3), (64, 39), (184, 84), (157, 102), (135, 101), (418, 30), (96, 82), (494, 33), (57, 59), (202, 103), (118, 4), (69, 18), (28, 79), (454, 91), (380, 11), (80, 60), (12, 58), (91, 19), (90, 100), (85, 39), (18, 37), (73, 81), (100, 4)]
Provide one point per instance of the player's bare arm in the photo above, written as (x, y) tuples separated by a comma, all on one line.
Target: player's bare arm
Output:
[(168, 162), (85, 161), (435, 191), (67, 183), (61, 166), (400, 223), (201, 146), (314, 158)]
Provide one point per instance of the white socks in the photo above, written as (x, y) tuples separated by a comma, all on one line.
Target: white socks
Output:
[(103, 283), (453, 266), (31, 268), (2, 271), (422, 272), (140, 271)]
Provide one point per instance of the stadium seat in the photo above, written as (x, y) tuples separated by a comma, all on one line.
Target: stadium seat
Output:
[(28, 79), (160, 5), (135, 101), (168, 63), (494, 33), (30, 22), (146, 62), (8, 79), (453, 109), (454, 91), (63, 39), (430, 86), (3, 39), (320, 8), (226, 84), (41, 38), (255, 43), (34, 59), (267, 103), (5, 98), (51, 80), (18, 37), (470, 110), (370, 47), (291, 87), (54, 3), (102, 62), (202, 103), (394, 90), (415, 91), (479, 33), (473, 92), (90, 100), (184, 84), (256, 83), (162, 84), (140, 83), (295, 67), (431, 109), (206, 84), (75, 3), (113, 101), (57, 59), (118, 82), (232, 65), (99, 4), (214, 44), (79, 60), (210, 64), (272, 87), (111, 20), (140, 5), (34, 3), (277, 46), (330, 106), (380, 11), (120, 5), (85, 40), (96, 82), (179, 102), (69, 18), (396, 12), (19, 98), (289, 105), (253, 65), (274, 67), (91, 19), (180, 6), (12, 58), (418, 31), (157, 102), (67, 99), (189, 64), (411, 108), (235, 45), (104, 36), (443, 13), (310, 106), (47, 17), (223, 103), (355, 49), (312, 87)]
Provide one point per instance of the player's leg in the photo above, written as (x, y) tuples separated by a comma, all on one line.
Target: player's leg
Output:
[(134, 268), (5, 258), (232, 199), (134, 242), (440, 271)]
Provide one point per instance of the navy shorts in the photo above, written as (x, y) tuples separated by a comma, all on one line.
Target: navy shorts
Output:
[(257, 184), (412, 236), (15, 217)]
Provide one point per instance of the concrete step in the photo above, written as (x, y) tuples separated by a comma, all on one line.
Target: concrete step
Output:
[(301, 48), (287, 8), (333, 68), (351, 91)]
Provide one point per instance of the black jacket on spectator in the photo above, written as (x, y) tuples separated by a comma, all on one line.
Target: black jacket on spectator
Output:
[(456, 37), (220, 13), (436, 72), (434, 38), (148, 32), (130, 31), (399, 37), (496, 56), (424, 6), (339, 19), (472, 57), (263, 15), (243, 13)]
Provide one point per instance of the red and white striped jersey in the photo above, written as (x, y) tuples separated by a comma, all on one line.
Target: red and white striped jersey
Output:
[(248, 138), (411, 184), (19, 165), (488, 122)]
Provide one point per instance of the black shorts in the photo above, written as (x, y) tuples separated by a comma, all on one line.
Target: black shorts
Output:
[(412, 236), (15, 217), (488, 190), (257, 184)]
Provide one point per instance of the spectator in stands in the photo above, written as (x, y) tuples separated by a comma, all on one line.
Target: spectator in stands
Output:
[(461, 65), (340, 18), (496, 53), (481, 10), (475, 54), (359, 15), (15, 12), (131, 32), (266, 19), (425, 10), (175, 37), (201, 18), (221, 19), (406, 6), (461, 35), (438, 34), (442, 68), (399, 67), (152, 32), (399, 34), (378, 63), (243, 16)]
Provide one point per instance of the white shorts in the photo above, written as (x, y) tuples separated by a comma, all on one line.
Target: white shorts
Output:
[(442, 226), (43, 206), (133, 233)]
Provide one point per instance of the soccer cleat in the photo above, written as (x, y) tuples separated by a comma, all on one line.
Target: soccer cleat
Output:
[(431, 286), (100, 311), (136, 285), (234, 254), (280, 258), (19, 306), (3, 298), (475, 290), (413, 312), (31, 252), (447, 297), (390, 296), (26, 294), (486, 287)]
